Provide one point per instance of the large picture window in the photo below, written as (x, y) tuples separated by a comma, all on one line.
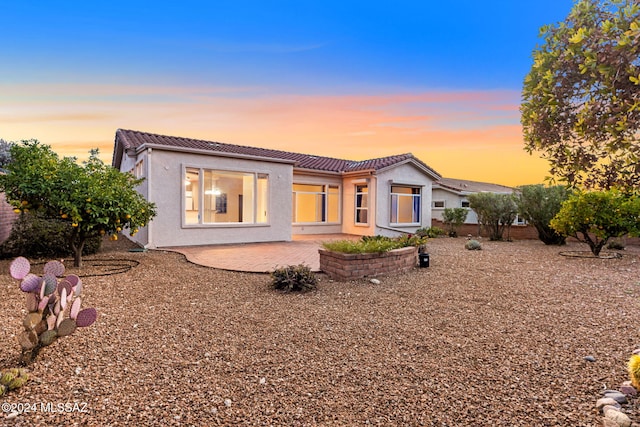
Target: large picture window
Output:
[(405, 204), (316, 203), (215, 197), (362, 204)]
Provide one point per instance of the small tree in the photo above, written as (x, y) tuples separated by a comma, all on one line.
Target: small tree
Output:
[(595, 216), (496, 212), (453, 218), (538, 205), (94, 198)]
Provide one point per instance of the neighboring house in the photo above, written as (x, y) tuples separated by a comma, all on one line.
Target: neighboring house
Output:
[(453, 193), (211, 193)]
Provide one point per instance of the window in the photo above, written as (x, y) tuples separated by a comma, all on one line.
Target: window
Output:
[(362, 204), (316, 203), (464, 204), (405, 204), (139, 169), (438, 204), (218, 197)]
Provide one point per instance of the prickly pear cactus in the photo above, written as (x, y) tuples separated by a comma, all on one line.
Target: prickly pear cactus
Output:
[(54, 310), (634, 370), (12, 379)]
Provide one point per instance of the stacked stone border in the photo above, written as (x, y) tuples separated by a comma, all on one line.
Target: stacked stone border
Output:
[(341, 266)]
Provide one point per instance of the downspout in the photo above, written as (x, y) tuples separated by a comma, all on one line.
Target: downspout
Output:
[(150, 224)]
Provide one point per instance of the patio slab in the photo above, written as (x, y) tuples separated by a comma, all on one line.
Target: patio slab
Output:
[(261, 257)]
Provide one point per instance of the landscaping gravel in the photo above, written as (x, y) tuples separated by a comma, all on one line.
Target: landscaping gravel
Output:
[(495, 337)]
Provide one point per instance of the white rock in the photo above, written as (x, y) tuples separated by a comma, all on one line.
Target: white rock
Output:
[(263, 380), (78, 370), (621, 419), (375, 281), (602, 402), (13, 415), (227, 403)]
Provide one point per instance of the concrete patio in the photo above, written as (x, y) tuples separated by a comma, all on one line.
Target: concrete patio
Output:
[(261, 257)]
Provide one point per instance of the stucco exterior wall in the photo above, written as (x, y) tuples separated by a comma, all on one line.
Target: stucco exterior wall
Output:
[(349, 225), (406, 174), (138, 166), (166, 189), (451, 200)]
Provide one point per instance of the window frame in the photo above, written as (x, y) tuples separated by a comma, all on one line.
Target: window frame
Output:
[(413, 196), (361, 208), (325, 193), (257, 175)]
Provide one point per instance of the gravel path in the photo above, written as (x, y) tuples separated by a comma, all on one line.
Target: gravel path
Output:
[(485, 338)]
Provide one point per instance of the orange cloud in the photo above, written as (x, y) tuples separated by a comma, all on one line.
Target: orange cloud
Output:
[(472, 135)]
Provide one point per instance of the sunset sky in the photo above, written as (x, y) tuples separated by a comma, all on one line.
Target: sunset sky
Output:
[(348, 79)]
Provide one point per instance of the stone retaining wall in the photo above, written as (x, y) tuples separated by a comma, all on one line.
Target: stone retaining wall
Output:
[(340, 266)]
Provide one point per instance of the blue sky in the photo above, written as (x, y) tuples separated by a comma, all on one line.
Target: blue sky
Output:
[(397, 72)]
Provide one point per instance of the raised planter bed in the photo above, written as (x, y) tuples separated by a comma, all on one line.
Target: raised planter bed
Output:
[(341, 266)]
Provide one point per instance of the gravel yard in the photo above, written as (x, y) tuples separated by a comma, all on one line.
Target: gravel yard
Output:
[(480, 338)]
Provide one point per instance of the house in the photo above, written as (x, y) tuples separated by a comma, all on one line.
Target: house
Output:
[(211, 193), (453, 193)]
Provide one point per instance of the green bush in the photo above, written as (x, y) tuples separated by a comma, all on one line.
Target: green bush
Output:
[(453, 219), (538, 205), (431, 232), (473, 245), (616, 244), (294, 278), (374, 244), (36, 237)]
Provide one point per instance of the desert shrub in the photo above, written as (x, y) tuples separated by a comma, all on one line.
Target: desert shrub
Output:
[(538, 205), (453, 219), (37, 237), (294, 278), (473, 245), (496, 212), (616, 244), (430, 232), (374, 244)]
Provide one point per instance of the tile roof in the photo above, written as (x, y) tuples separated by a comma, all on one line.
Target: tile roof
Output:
[(130, 139), (466, 186)]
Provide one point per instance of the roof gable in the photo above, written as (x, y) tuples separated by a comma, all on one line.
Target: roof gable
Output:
[(134, 140)]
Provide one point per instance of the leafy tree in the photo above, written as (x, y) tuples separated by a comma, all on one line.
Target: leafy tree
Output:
[(538, 205), (581, 99), (496, 212), (454, 218), (94, 198), (595, 216)]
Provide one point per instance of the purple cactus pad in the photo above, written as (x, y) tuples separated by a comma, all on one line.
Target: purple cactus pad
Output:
[(19, 268), (54, 267), (65, 284), (31, 283), (75, 308), (50, 283), (86, 317)]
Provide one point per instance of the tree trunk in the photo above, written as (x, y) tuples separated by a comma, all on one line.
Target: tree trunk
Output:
[(77, 250)]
